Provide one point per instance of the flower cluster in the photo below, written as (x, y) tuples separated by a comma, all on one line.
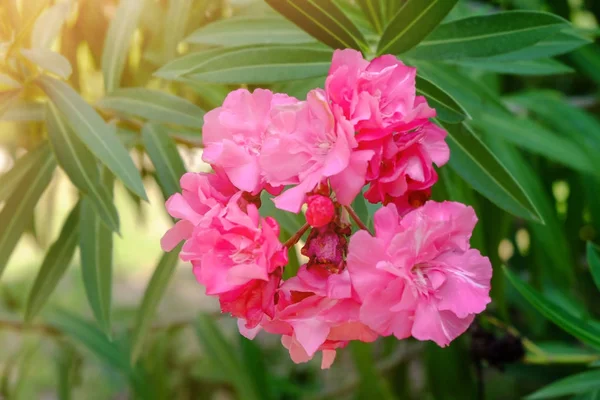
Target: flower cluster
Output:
[(415, 276)]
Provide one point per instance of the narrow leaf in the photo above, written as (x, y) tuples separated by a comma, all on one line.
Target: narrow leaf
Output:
[(96, 252), (14, 176), (154, 105), (541, 67), (579, 328), (488, 35), (187, 64), (48, 25), (117, 42), (242, 31), (474, 162), (447, 108), (175, 23), (559, 43), (165, 157), (80, 165), (18, 210), (574, 384), (373, 9), (49, 61), (154, 292), (24, 111), (322, 19), (264, 65), (54, 266), (593, 259), (94, 133), (412, 24)]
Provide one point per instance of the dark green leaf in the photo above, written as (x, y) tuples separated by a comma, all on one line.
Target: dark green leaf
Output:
[(373, 9), (80, 165), (539, 67), (323, 20), (117, 41), (559, 43), (165, 157), (154, 292), (254, 362), (593, 259), (575, 384), (488, 35), (447, 108), (264, 65), (587, 60), (54, 266), (288, 221), (413, 22), (96, 252), (579, 328), (224, 357), (18, 210), (100, 139), (242, 31), (154, 105), (474, 162)]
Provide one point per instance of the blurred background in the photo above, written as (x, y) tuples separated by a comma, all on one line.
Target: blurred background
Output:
[(91, 308)]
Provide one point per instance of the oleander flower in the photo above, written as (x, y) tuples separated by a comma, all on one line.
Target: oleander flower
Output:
[(418, 275), (308, 143), (377, 97), (233, 135), (317, 311)]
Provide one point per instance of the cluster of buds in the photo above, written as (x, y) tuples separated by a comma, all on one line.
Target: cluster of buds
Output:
[(365, 134)]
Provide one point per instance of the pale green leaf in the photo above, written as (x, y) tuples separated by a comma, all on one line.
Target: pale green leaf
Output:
[(155, 106), (175, 23), (48, 25), (54, 266), (14, 176), (49, 61), (413, 22), (81, 167), (24, 111), (94, 133), (117, 41), (18, 210)]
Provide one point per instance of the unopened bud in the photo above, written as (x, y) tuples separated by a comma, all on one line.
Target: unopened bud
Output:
[(320, 211)]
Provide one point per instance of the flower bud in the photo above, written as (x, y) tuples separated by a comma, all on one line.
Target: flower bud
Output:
[(320, 211)]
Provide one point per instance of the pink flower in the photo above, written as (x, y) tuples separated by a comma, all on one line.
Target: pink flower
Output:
[(317, 311), (202, 194), (309, 142), (403, 165), (418, 276), (377, 97), (233, 135)]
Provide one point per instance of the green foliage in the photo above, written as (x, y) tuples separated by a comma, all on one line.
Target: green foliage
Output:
[(94, 94)]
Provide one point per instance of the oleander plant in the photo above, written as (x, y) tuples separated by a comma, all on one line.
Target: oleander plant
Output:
[(299, 199)]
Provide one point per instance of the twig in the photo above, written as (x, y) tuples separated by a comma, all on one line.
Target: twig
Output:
[(356, 218), (20, 326), (294, 239)]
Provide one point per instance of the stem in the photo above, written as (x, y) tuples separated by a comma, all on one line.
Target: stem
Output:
[(294, 239), (356, 218)]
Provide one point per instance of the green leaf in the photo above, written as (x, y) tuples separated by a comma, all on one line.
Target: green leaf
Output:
[(288, 221), (94, 133), (447, 108), (14, 176), (117, 41), (49, 61), (574, 384), (474, 162), (263, 65), (154, 292), (322, 19), (24, 111), (187, 64), (413, 22), (593, 259), (224, 357), (372, 384), (559, 43), (535, 138), (165, 157), (96, 252), (579, 328), (80, 165), (154, 105), (18, 210), (175, 25), (587, 60), (242, 31), (488, 35), (254, 361), (373, 9), (54, 266), (523, 67)]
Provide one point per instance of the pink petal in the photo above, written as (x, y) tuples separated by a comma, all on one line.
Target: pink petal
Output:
[(181, 231), (442, 327), (348, 183), (328, 358)]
